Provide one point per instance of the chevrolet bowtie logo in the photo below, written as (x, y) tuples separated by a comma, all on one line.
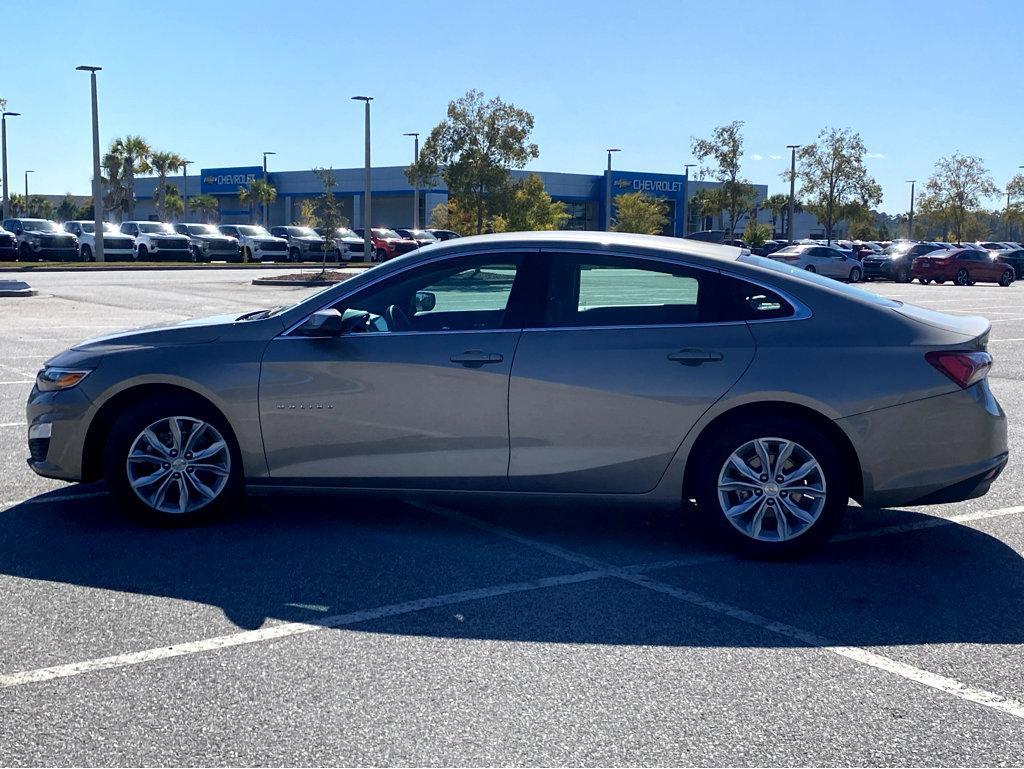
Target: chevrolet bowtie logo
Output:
[(209, 180), (623, 183)]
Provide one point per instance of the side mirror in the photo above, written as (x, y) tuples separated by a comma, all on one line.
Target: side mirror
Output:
[(332, 323), (425, 301)]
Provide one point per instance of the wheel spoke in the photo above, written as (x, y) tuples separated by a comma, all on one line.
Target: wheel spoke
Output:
[(781, 524), (761, 447), (800, 473), (758, 520), (182, 495), (796, 511), (209, 451), (161, 494), (194, 435), (148, 480), (738, 486), (201, 488), (744, 469), (155, 442), (782, 457), (215, 469), (175, 434), (743, 507)]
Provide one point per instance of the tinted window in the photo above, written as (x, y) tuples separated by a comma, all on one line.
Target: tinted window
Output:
[(619, 291), (747, 301), (819, 280), (460, 294)]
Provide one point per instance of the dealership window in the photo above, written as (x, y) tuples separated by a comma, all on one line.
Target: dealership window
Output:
[(582, 215)]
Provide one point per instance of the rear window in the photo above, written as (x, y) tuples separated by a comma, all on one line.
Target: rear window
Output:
[(748, 301), (820, 280)]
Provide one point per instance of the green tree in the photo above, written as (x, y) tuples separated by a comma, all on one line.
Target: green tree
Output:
[(205, 205), (755, 235), (130, 155), (452, 216), (67, 209), (640, 212), (327, 211), (833, 175), (777, 206), (707, 202), (725, 149), (18, 204), (163, 163), (39, 207), (530, 207), (172, 204), (256, 194), (957, 186), (473, 149), (85, 210)]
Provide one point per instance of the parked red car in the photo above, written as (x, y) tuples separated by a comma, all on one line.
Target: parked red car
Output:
[(963, 266), (387, 244)]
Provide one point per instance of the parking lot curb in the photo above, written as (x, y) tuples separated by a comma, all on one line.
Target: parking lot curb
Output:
[(273, 282), (16, 288)]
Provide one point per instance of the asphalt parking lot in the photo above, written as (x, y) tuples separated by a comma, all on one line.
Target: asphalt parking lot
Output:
[(320, 631)]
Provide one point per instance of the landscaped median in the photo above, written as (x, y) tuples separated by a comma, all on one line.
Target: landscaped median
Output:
[(318, 278)]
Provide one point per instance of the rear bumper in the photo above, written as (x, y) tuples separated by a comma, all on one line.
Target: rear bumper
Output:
[(932, 451)]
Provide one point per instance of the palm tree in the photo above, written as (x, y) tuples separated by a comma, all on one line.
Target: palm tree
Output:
[(112, 177), (777, 205), (258, 193), (134, 153), (19, 206), (204, 205), (163, 163)]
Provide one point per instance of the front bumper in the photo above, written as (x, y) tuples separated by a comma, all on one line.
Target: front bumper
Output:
[(947, 448), (68, 413)]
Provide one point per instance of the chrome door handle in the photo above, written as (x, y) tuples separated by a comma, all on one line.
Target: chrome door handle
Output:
[(695, 357), (476, 358)]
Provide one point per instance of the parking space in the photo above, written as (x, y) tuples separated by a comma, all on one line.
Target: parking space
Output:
[(320, 630)]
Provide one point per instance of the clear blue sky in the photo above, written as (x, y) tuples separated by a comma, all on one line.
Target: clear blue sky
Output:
[(220, 82)]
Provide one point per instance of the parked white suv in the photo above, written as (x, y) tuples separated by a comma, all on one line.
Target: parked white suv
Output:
[(116, 247), (157, 241), (208, 244), (257, 244)]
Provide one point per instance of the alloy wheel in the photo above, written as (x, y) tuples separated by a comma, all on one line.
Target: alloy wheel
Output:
[(178, 465), (771, 489), (962, 278)]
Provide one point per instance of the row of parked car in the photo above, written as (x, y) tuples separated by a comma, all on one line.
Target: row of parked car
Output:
[(45, 240), (904, 260)]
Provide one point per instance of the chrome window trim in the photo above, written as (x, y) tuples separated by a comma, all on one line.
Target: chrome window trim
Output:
[(800, 310)]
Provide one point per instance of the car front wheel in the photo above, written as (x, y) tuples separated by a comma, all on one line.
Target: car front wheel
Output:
[(1006, 278), (172, 463), (810, 268), (772, 487), (855, 275), (962, 277)]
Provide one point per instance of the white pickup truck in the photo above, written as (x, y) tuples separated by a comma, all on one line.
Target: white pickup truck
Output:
[(256, 243), (116, 247)]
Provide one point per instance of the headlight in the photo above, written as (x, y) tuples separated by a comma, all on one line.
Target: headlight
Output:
[(50, 379)]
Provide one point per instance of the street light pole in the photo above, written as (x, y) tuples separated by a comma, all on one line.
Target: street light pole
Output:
[(3, 122), (608, 191), (416, 187), (266, 211), (792, 190), (910, 219), (686, 195), (184, 186), (97, 179), (30, 171), (367, 221)]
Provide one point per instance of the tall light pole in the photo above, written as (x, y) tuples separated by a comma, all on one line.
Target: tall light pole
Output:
[(184, 186), (367, 221), (415, 187), (792, 190), (266, 211), (686, 195), (7, 200), (30, 171), (608, 191), (910, 219), (97, 179)]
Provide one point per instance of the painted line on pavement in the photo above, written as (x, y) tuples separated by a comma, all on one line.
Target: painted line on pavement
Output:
[(12, 424), (951, 686)]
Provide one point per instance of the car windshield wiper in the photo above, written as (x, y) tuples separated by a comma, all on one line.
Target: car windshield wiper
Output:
[(258, 314)]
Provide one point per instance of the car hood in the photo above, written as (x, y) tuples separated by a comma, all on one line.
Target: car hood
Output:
[(193, 331)]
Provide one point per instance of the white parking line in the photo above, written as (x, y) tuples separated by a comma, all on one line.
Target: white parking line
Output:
[(12, 424), (1015, 339), (17, 381), (17, 371), (1007, 705)]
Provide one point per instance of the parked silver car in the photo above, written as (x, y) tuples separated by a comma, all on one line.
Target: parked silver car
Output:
[(825, 260), (573, 364)]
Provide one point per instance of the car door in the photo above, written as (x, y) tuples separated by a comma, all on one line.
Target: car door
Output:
[(624, 363), (416, 396)]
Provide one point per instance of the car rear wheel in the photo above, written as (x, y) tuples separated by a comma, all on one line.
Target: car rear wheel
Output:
[(380, 255), (1006, 278), (903, 275), (962, 277), (86, 254), (172, 462), (924, 281), (772, 487), (855, 275), (143, 253), (294, 255)]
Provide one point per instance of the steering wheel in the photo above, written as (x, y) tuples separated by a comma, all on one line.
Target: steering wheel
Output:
[(396, 319)]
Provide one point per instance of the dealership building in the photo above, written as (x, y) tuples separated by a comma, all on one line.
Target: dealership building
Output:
[(391, 195)]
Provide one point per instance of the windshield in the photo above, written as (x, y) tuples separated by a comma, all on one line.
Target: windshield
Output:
[(202, 229), (301, 232), (108, 228), (156, 227), (345, 232), (422, 234), (251, 230), (39, 225), (787, 250), (897, 248), (820, 280), (382, 232)]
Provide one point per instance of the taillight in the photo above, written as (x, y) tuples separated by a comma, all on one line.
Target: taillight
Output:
[(964, 368)]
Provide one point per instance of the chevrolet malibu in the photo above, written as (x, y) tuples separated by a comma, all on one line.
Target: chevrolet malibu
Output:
[(572, 365)]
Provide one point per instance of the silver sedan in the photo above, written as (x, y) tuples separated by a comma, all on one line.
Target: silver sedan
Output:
[(825, 260), (576, 365)]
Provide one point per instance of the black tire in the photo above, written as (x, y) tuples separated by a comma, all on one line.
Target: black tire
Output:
[(1006, 279), (86, 254), (903, 275), (735, 435), (855, 275), (380, 255), (962, 277), (924, 281), (294, 255), (129, 426), (143, 254), (810, 268), (24, 253)]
